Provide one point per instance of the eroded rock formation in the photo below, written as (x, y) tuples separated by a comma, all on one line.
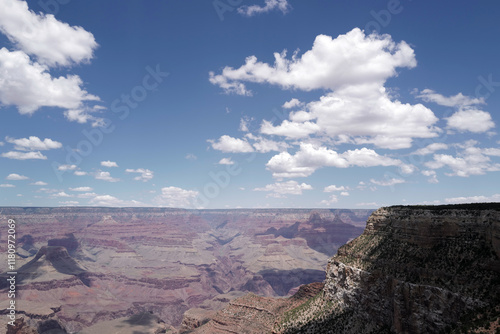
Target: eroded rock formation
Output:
[(85, 266)]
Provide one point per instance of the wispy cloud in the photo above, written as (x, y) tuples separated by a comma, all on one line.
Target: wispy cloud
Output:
[(177, 198), (16, 177), (39, 183), (24, 155), (474, 199), (105, 176), (109, 200), (387, 182), (281, 5), (279, 189), (109, 164), (67, 167), (431, 148), (145, 176), (331, 200), (33, 143), (459, 100), (81, 189)]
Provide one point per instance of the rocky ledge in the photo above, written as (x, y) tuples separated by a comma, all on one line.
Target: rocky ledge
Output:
[(415, 269)]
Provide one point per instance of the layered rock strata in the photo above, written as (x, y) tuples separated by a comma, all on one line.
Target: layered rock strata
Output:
[(413, 270), (85, 266)]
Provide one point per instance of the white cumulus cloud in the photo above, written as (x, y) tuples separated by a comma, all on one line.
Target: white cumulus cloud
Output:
[(231, 145), (472, 120), (289, 129), (468, 117), (471, 160), (29, 86), (333, 188), (226, 161), (52, 42), (108, 200), (292, 104), (332, 63), (108, 164), (33, 144), (61, 194), (286, 188), (177, 198), (309, 158), (16, 177), (357, 109), (366, 114), (331, 200), (40, 42)]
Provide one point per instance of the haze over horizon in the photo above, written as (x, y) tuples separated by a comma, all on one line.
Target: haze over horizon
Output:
[(264, 103)]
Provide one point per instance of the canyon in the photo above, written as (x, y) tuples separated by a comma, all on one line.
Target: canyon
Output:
[(161, 270), (400, 269), (415, 269)]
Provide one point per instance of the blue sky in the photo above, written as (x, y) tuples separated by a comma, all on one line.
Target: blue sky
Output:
[(248, 103)]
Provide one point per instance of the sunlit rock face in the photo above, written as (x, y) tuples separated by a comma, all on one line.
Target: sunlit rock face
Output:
[(85, 266)]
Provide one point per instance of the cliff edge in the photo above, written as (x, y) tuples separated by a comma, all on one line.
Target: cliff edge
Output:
[(415, 269)]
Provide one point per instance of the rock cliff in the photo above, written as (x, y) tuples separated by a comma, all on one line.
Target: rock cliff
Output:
[(413, 270)]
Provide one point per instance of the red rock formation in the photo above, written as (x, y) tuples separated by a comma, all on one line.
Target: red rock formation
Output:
[(20, 327), (255, 314), (121, 261)]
